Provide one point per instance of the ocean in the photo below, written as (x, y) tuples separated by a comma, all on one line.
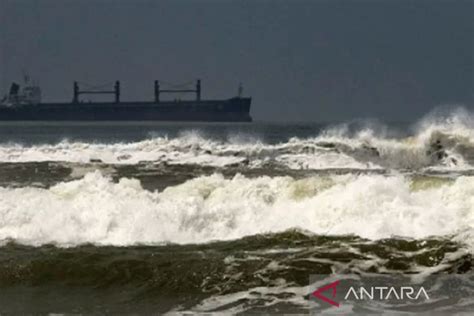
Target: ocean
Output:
[(186, 218)]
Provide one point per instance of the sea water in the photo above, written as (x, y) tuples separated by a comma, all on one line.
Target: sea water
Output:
[(227, 218)]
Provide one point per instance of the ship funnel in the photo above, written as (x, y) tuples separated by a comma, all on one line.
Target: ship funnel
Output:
[(14, 89)]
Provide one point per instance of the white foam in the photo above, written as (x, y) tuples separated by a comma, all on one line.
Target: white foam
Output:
[(181, 150), (366, 148), (96, 210)]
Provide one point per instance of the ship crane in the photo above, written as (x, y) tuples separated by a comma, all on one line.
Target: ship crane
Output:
[(78, 92), (159, 91)]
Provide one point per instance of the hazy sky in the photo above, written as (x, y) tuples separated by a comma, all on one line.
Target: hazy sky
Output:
[(299, 60)]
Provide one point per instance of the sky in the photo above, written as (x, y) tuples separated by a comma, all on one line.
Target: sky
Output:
[(326, 60)]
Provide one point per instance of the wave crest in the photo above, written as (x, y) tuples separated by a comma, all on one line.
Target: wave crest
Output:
[(96, 210), (438, 142)]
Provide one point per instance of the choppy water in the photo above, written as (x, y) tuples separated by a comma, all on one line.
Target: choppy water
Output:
[(227, 217)]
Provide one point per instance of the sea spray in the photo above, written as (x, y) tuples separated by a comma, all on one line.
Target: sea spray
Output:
[(441, 143)]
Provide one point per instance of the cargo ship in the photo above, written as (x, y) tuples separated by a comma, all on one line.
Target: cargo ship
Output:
[(24, 104)]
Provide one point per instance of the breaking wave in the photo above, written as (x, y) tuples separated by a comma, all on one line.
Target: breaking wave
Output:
[(437, 142), (97, 210)]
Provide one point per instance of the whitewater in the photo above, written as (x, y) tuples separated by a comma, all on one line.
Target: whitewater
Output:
[(439, 143), (408, 200), (98, 211)]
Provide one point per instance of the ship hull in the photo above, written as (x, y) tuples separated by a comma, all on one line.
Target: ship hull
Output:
[(231, 110)]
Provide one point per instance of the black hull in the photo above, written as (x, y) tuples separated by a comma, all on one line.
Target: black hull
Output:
[(232, 110)]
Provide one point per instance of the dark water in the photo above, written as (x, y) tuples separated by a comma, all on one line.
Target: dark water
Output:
[(144, 279), (37, 133), (226, 218), (111, 132)]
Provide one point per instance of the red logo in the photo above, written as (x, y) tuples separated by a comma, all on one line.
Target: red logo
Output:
[(332, 286)]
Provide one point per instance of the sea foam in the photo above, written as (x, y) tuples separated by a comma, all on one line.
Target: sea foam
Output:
[(437, 142), (96, 210)]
